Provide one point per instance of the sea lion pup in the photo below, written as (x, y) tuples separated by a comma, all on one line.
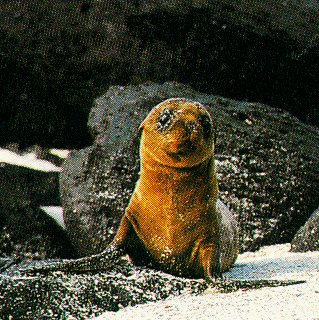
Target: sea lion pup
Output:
[(171, 222), (172, 211)]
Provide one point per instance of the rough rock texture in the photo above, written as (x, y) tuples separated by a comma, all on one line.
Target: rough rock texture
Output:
[(95, 189), (25, 230), (56, 57), (266, 160), (307, 238), (75, 296)]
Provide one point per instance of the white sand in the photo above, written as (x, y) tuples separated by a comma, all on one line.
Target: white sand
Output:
[(61, 153), (27, 160), (56, 213), (274, 262)]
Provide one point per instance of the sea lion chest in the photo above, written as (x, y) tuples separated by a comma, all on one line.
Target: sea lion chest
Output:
[(173, 209)]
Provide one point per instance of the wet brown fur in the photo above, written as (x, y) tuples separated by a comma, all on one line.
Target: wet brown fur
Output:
[(172, 212), (171, 222)]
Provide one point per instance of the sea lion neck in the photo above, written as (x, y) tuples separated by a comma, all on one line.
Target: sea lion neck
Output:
[(156, 171)]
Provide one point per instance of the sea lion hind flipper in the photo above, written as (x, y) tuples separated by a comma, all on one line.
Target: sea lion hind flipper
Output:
[(228, 285), (100, 262)]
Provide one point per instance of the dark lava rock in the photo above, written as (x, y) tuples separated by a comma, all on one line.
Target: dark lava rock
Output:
[(83, 296), (29, 233), (26, 231), (38, 187), (266, 160), (307, 238), (55, 58)]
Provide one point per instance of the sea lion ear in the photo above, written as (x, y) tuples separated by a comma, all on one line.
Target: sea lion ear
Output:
[(140, 129)]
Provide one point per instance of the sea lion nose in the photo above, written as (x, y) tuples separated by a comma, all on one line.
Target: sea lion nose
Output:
[(191, 126), (192, 131)]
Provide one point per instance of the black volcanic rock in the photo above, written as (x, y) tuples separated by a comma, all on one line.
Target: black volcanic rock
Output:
[(307, 238), (55, 58), (26, 231), (83, 296)]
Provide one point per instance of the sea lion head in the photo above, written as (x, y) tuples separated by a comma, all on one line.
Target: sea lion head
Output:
[(178, 133)]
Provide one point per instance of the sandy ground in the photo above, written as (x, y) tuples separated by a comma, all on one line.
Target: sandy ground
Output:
[(274, 262), (28, 160)]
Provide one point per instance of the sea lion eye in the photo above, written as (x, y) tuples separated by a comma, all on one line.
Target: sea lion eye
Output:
[(165, 119), (206, 125)]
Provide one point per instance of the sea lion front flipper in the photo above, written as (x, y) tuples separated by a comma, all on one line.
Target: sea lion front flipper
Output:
[(209, 260), (122, 236)]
